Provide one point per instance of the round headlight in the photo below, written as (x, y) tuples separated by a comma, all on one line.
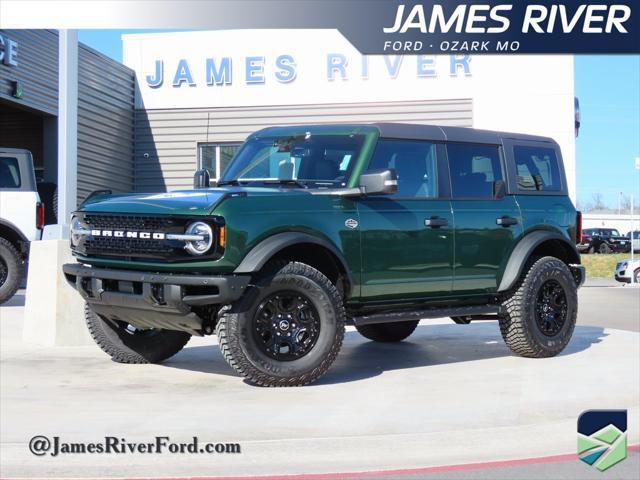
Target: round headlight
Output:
[(74, 234), (202, 245)]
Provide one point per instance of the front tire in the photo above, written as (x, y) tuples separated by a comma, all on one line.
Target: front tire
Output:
[(11, 270), (604, 248), (125, 344), (541, 313), (388, 332), (287, 330)]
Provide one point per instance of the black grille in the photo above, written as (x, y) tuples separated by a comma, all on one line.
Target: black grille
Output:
[(138, 248), (133, 247), (131, 222), (127, 246)]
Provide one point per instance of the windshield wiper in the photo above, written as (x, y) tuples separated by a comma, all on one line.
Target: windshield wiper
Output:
[(286, 181)]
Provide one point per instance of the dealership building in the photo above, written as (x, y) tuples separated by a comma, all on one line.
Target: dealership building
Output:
[(186, 100)]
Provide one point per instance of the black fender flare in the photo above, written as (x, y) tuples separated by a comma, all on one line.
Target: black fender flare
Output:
[(260, 254), (523, 250), (19, 240)]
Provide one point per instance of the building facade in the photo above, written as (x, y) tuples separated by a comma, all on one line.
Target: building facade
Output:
[(199, 94), (186, 100)]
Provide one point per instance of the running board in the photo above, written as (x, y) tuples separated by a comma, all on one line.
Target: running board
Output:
[(404, 316)]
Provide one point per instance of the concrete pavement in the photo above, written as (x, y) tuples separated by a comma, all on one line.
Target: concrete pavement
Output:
[(452, 394)]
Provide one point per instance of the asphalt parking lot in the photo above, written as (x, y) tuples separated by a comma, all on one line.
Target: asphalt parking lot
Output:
[(451, 395)]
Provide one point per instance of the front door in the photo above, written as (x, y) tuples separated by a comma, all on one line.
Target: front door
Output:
[(406, 238), (486, 226)]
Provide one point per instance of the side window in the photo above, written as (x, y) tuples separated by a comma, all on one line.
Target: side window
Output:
[(537, 168), (414, 163), (9, 173), (473, 168)]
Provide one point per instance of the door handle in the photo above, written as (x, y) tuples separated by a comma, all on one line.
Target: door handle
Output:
[(506, 221), (435, 222)]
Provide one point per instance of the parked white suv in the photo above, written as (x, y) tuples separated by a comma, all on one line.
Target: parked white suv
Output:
[(21, 217), (626, 269)]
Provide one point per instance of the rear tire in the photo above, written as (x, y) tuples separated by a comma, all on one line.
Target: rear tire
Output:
[(287, 331), (11, 270), (125, 345), (541, 313), (388, 332)]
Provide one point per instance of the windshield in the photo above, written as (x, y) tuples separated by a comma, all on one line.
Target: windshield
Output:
[(611, 232), (305, 160)]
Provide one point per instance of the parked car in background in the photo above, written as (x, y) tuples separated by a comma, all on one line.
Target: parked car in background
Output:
[(628, 269), (21, 217), (635, 241), (603, 240)]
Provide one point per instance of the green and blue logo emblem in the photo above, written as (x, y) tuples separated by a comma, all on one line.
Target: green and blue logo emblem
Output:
[(602, 437)]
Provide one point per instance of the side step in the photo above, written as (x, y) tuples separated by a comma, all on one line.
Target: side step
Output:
[(403, 316)]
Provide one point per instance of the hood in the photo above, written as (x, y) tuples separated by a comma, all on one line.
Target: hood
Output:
[(182, 202), (187, 202)]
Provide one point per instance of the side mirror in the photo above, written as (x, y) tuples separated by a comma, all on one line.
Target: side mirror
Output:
[(499, 189), (378, 182), (201, 178)]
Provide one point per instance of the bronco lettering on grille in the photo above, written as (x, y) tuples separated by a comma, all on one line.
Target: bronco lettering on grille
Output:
[(129, 234)]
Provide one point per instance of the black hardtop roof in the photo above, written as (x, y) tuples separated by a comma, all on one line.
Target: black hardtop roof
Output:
[(411, 131), (452, 134)]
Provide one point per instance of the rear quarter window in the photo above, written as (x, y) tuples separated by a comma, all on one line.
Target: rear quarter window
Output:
[(537, 169), (9, 173)]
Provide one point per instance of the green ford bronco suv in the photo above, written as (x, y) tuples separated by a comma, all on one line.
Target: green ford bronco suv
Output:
[(314, 227)]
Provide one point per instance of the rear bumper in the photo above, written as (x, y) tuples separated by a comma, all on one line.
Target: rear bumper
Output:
[(166, 293), (579, 274)]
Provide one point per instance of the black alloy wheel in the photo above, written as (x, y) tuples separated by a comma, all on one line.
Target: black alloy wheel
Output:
[(286, 325), (551, 308)]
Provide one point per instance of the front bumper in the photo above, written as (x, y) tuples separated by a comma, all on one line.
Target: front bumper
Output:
[(152, 300), (619, 248), (579, 273)]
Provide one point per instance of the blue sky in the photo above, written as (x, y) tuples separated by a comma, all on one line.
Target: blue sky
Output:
[(609, 91)]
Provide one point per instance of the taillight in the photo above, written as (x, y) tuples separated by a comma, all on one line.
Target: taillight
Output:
[(39, 215), (578, 227)]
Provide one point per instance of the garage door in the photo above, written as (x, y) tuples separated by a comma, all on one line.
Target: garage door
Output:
[(167, 141)]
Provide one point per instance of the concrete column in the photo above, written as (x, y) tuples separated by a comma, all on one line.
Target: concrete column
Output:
[(67, 133), (54, 310)]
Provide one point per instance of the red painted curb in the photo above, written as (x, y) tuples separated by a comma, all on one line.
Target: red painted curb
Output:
[(403, 471)]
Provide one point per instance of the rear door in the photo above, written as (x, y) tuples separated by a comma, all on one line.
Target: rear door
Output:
[(486, 227), (18, 196), (407, 238)]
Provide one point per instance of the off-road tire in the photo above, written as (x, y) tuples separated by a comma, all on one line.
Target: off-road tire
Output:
[(125, 347), (461, 320), (591, 249), (388, 332), (13, 268), (518, 324), (604, 248), (240, 348)]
